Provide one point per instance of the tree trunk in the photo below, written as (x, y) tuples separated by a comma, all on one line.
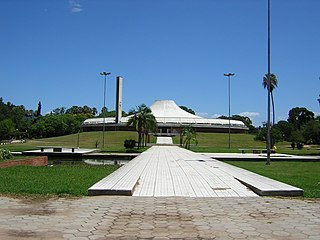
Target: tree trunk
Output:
[(139, 140), (273, 111)]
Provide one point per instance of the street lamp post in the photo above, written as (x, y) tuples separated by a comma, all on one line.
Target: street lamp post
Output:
[(229, 75), (104, 103), (269, 91)]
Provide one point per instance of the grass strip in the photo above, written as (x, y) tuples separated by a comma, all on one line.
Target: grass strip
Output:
[(305, 175), (60, 180)]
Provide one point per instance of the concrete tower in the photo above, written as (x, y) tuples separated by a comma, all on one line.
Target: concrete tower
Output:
[(118, 99)]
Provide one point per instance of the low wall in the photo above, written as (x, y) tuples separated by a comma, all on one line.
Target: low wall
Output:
[(38, 161)]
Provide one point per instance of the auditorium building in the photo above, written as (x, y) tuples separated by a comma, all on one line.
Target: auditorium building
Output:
[(171, 119)]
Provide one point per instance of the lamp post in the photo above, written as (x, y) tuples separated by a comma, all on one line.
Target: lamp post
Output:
[(104, 103), (269, 90), (229, 75)]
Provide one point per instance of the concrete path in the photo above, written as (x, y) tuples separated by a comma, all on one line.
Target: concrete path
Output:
[(120, 217), (164, 140), (173, 171)]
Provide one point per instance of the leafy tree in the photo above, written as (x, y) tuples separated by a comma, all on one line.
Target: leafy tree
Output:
[(82, 110), (18, 116), (273, 85), (113, 113), (6, 129), (299, 116), (286, 129), (311, 132), (276, 134), (189, 110), (104, 112), (59, 111), (246, 120), (298, 138), (57, 125)]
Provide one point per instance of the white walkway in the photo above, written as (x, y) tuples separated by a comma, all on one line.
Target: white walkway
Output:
[(164, 141), (173, 171)]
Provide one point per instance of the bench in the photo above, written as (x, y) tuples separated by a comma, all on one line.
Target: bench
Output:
[(255, 150), (55, 148)]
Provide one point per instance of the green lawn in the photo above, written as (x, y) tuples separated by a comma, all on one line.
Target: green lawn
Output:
[(113, 141), (60, 180), (305, 175), (219, 142), (207, 142)]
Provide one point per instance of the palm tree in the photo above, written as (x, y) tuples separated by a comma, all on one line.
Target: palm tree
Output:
[(190, 135), (273, 85), (143, 121), (150, 126)]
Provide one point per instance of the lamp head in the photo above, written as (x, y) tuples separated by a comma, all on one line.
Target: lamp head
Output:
[(229, 74), (105, 73)]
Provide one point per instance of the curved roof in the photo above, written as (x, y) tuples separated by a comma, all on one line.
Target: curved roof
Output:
[(169, 109), (168, 112)]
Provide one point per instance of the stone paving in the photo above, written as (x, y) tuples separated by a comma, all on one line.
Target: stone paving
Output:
[(120, 217)]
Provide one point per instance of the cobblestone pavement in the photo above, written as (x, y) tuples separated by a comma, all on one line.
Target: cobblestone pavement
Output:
[(114, 217)]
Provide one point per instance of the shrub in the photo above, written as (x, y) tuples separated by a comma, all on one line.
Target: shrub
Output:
[(299, 145), (129, 143), (5, 154)]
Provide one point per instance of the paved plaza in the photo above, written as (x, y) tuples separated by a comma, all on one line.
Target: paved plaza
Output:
[(127, 217)]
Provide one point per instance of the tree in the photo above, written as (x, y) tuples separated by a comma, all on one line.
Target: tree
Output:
[(104, 112), (298, 138), (273, 85), (299, 116), (90, 112), (38, 112), (189, 110), (286, 130), (246, 120), (150, 126), (311, 132), (6, 129), (59, 111), (190, 135), (276, 134), (143, 121)]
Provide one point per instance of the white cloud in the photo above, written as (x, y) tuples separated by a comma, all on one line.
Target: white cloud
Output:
[(250, 114), (75, 6)]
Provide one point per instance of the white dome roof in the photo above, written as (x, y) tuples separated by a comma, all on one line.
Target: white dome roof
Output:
[(169, 109)]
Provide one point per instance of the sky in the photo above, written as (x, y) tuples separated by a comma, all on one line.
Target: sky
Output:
[(53, 51)]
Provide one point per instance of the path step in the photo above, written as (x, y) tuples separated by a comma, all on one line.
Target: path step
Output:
[(164, 141)]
